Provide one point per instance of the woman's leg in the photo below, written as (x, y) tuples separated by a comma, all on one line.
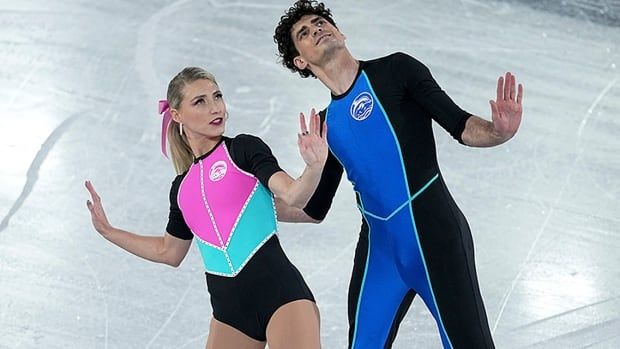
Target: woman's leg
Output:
[(222, 336), (295, 325)]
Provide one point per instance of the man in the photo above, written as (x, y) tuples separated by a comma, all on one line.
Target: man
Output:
[(414, 238)]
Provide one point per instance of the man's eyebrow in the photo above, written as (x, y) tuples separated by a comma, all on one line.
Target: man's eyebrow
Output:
[(314, 20), (300, 30)]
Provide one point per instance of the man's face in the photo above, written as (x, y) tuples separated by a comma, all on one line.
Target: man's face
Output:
[(316, 40)]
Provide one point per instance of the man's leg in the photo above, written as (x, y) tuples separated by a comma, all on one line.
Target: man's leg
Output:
[(448, 251), (378, 298)]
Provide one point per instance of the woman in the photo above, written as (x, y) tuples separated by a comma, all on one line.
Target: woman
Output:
[(224, 196)]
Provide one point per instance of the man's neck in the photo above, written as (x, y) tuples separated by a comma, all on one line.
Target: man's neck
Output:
[(339, 73)]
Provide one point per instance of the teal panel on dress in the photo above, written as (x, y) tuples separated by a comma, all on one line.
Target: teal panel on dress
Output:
[(255, 226), (214, 260)]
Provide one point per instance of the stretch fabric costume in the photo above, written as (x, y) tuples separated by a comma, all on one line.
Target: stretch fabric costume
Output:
[(223, 201), (414, 239)]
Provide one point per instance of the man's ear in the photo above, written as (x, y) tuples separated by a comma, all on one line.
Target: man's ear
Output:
[(300, 63)]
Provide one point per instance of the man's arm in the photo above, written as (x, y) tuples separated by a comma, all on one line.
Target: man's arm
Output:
[(506, 113)]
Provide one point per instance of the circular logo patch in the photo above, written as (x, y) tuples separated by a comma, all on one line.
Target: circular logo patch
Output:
[(218, 171), (362, 106)]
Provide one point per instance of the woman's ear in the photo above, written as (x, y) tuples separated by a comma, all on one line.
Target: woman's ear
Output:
[(175, 115)]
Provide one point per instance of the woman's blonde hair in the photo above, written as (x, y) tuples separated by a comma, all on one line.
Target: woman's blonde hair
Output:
[(182, 155)]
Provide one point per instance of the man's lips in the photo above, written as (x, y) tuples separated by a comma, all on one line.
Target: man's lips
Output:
[(322, 37)]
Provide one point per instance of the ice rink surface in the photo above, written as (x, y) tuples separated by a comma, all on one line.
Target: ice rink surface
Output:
[(80, 81)]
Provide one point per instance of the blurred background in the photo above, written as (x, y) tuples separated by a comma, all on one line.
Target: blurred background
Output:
[(79, 85)]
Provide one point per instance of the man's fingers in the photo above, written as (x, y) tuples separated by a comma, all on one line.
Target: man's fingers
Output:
[(494, 110), (500, 89), (513, 87), (520, 94), (507, 86)]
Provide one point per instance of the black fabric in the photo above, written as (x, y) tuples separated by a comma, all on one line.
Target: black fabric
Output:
[(252, 155), (412, 99), (248, 152), (248, 300), (400, 315), (446, 241), (321, 201)]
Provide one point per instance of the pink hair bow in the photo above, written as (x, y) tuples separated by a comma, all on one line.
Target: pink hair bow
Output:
[(164, 109)]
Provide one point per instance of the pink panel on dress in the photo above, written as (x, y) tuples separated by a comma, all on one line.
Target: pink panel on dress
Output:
[(226, 190)]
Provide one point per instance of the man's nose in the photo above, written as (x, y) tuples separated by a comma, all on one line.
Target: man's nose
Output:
[(317, 30)]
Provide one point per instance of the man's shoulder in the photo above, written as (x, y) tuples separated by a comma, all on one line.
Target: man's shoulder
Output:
[(396, 65), (392, 57)]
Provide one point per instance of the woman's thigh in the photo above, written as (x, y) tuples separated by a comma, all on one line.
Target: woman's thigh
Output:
[(223, 336), (295, 325)]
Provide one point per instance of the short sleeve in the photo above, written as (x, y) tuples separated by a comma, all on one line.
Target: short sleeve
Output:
[(176, 223), (420, 85), (252, 155)]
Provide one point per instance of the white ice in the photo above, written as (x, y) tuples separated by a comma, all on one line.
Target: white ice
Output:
[(80, 81)]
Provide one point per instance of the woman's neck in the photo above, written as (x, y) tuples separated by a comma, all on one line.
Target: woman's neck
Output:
[(201, 145)]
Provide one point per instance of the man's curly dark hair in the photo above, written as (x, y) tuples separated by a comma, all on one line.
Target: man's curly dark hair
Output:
[(283, 37)]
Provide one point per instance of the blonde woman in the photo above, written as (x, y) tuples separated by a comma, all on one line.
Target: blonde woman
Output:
[(223, 197)]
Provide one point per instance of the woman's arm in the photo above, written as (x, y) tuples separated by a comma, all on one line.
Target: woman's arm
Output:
[(312, 144), (290, 214), (165, 249)]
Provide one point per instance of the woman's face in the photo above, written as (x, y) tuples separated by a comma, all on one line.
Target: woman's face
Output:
[(202, 111)]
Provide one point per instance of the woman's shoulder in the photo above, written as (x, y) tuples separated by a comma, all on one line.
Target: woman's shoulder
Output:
[(246, 142), (178, 179), (246, 138)]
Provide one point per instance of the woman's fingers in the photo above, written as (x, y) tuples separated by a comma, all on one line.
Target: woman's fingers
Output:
[(302, 124)]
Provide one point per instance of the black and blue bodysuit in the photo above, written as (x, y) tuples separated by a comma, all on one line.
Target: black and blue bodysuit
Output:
[(414, 238)]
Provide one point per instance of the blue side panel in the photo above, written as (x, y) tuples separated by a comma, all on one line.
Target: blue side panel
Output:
[(361, 138)]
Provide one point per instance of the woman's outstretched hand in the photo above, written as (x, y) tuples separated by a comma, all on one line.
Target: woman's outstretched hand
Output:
[(97, 213), (312, 140)]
